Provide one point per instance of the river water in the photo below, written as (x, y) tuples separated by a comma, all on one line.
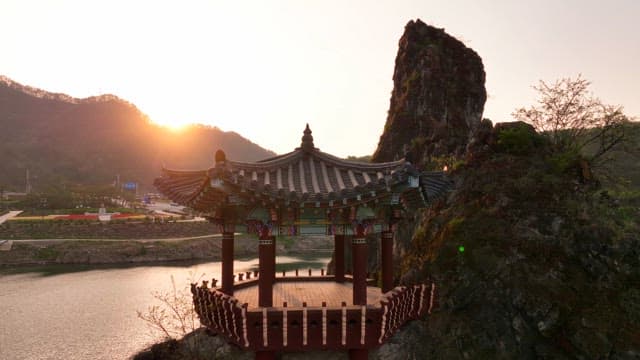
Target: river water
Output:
[(80, 312)]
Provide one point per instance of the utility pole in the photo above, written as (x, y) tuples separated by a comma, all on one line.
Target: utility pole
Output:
[(27, 189)]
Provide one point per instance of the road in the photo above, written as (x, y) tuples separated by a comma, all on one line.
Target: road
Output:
[(115, 240), (5, 245), (166, 207)]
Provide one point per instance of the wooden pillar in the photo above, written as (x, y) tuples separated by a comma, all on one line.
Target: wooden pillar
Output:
[(266, 265), (358, 354), (338, 248), (227, 263), (359, 249), (386, 252), (273, 260)]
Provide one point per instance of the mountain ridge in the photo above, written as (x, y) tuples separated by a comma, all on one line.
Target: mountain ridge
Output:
[(65, 140), (43, 94)]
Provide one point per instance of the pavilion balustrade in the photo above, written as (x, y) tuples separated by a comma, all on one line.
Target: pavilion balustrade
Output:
[(311, 328)]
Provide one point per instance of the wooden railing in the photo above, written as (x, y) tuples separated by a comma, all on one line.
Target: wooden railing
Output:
[(403, 304), (246, 279), (306, 328), (221, 313)]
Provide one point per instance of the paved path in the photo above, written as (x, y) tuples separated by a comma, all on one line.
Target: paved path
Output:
[(5, 245), (9, 215)]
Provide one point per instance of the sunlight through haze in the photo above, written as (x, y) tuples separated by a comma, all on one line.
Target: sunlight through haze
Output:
[(265, 69)]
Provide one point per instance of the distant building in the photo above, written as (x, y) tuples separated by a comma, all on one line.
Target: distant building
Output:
[(9, 195)]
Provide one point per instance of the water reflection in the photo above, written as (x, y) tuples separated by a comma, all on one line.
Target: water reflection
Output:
[(85, 312)]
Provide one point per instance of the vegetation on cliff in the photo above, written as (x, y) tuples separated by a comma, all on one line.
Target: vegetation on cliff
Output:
[(535, 254), (576, 124), (550, 266)]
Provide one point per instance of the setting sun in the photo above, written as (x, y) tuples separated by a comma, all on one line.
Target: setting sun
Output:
[(175, 126)]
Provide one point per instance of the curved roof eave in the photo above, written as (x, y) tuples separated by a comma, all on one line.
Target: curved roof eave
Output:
[(291, 157)]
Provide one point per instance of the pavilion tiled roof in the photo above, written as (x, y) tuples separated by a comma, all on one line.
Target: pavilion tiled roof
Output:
[(303, 175)]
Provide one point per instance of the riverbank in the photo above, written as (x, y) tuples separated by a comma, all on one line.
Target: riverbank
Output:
[(118, 229), (140, 251), (46, 252)]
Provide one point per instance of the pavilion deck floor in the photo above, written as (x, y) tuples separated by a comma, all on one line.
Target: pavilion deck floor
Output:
[(311, 292)]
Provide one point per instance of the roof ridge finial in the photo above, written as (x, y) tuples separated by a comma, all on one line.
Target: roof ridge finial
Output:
[(307, 140), (220, 158)]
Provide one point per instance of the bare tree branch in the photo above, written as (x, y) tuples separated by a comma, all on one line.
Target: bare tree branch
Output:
[(574, 120)]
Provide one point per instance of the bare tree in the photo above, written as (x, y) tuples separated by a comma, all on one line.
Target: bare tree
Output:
[(175, 316), (574, 120)]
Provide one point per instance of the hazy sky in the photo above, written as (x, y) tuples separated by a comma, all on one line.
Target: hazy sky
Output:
[(265, 68)]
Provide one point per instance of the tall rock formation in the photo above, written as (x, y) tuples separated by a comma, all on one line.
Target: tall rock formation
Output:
[(438, 96), (530, 262)]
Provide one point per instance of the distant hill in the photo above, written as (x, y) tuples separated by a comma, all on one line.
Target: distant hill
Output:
[(61, 139)]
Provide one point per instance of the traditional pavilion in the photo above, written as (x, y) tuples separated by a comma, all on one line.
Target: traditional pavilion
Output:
[(307, 192)]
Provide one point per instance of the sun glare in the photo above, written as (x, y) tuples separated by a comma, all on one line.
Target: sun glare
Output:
[(175, 126)]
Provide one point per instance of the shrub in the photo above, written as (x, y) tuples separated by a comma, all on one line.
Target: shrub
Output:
[(562, 162), (47, 254), (518, 140)]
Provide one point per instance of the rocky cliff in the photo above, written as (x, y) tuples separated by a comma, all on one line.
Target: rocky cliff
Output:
[(438, 96), (530, 260)]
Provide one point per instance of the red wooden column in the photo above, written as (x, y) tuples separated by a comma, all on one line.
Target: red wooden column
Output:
[(266, 258), (273, 260), (359, 249), (338, 247), (227, 263), (386, 252)]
